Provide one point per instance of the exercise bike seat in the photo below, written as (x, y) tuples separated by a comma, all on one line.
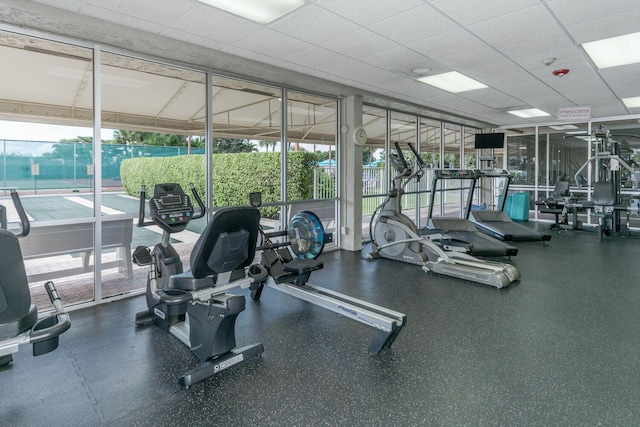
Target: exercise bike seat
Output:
[(174, 296)]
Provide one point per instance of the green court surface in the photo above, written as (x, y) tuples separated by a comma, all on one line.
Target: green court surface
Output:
[(119, 202), (61, 207), (46, 208)]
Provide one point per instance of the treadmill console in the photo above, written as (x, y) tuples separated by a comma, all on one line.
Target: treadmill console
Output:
[(171, 208), (454, 174)]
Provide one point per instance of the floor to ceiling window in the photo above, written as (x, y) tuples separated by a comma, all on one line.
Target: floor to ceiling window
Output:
[(46, 108), (375, 168), (312, 156), (247, 146), (402, 132), (153, 117), (430, 143)]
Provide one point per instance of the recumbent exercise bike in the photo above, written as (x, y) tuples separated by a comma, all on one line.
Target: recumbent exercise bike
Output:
[(19, 323), (193, 305)]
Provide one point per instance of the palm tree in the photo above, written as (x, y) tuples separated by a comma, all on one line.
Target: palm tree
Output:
[(268, 144)]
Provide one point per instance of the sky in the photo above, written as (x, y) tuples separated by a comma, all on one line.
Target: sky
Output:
[(41, 132)]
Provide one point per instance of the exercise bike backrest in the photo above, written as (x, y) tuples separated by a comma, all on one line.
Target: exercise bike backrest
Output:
[(170, 207), (13, 299), (19, 322)]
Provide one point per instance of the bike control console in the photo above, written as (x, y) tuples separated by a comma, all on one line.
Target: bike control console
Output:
[(171, 208)]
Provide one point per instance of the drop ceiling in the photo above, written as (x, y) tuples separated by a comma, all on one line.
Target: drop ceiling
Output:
[(373, 46)]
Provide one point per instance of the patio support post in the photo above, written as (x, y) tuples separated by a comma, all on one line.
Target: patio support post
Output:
[(350, 176)]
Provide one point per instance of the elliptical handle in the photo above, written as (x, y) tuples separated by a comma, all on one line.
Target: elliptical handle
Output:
[(24, 219), (203, 209), (401, 156), (418, 156), (142, 213)]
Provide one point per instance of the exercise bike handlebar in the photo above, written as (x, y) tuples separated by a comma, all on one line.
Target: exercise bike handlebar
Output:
[(141, 211), (24, 219), (62, 322), (199, 201)]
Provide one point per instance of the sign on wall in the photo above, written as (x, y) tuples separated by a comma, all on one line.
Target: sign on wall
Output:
[(575, 113)]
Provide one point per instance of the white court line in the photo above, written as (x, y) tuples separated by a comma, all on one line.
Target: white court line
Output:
[(185, 236), (12, 213), (88, 203)]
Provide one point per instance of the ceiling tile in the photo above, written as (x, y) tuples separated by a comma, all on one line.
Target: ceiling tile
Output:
[(272, 43), (623, 80), (316, 57), (444, 44), (158, 11), (351, 69), (359, 43), (491, 97), (534, 19), (192, 38), (570, 12), (122, 19), (487, 66), (214, 24), (416, 24), (531, 90), (608, 26), (541, 43), (467, 12), (369, 11), (313, 25), (394, 58)]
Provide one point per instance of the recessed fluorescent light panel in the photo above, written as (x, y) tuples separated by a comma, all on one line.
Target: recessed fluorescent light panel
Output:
[(632, 102), (529, 113), (453, 82), (621, 50), (563, 127), (260, 11)]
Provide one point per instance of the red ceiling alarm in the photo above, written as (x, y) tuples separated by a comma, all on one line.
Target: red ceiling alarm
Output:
[(561, 72)]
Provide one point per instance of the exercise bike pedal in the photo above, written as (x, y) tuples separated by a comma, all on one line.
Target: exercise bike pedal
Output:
[(142, 255), (144, 318)]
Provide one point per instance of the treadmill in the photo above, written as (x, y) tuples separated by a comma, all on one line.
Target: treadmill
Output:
[(496, 223), (461, 229)]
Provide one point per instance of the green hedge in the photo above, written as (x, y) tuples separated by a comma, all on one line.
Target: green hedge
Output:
[(235, 175), (149, 171)]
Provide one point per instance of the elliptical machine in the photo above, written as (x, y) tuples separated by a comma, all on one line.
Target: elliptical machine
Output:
[(19, 323), (395, 236), (194, 306)]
